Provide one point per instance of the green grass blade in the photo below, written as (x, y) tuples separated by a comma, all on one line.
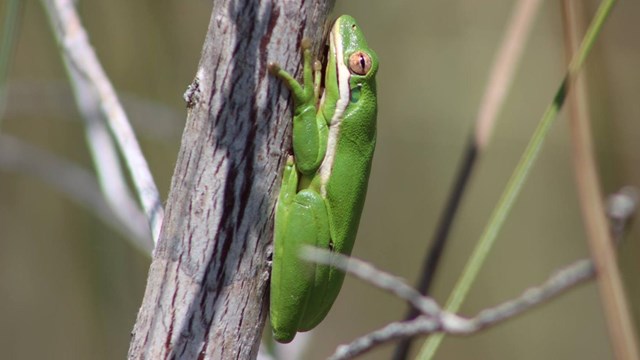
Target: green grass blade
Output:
[(515, 183)]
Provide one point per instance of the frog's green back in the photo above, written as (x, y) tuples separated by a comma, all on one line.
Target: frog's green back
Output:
[(352, 140)]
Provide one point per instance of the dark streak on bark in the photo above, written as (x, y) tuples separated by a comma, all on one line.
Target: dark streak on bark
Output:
[(173, 317)]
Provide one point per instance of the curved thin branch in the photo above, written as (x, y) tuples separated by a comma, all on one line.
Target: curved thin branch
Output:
[(94, 93), (500, 78), (622, 332)]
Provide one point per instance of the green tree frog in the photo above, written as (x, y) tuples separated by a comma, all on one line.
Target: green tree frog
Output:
[(325, 182)]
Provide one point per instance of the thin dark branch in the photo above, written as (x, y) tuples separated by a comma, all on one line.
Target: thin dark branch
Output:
[(500, 79)]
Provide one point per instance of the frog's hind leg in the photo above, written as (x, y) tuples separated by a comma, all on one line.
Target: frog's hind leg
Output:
[(301, 219)]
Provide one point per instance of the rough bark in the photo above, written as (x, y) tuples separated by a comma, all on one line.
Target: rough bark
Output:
[(208, 282)]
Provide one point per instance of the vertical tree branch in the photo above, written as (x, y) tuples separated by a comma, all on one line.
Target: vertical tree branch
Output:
[(208, 279)]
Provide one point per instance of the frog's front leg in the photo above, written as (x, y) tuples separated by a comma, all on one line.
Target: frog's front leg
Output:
[(310, 130)]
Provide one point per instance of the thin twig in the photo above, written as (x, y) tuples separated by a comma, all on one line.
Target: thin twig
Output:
[(76, 183), (369, 273), (619, 320), (390, 332), (83, 65), (105, 156), (500, 79), (503, 69), (623, 205), (433, 318), (517, 179), (620, 208)]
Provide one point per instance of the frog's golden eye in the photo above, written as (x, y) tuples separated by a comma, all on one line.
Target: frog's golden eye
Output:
[(359, 63)]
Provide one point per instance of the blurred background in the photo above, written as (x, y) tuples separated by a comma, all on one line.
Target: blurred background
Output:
[(70, 286)]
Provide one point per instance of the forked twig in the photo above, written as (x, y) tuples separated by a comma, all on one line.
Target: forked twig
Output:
[(434, 318), (500, 78)]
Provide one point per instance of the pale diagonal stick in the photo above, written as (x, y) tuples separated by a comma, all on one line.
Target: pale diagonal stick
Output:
[(79, 58), (500, 78), (622, 333), (517, 179)]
